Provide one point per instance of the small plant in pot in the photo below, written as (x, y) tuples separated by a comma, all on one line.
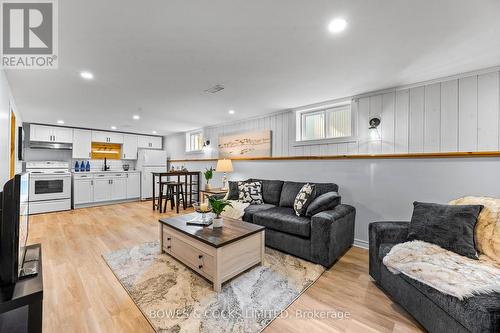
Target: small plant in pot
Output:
[(218, 206), (209, 174)]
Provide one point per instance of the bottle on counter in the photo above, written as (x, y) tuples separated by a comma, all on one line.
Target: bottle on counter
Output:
[(87, 167), (82, 166), (77, 166)]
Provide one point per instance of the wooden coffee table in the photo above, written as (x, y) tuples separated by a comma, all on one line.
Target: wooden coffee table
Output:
[(218, 254)]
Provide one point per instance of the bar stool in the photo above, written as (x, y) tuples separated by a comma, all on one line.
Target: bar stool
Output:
[(175, 194)]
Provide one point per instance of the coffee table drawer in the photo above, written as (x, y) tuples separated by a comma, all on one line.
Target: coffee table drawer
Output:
[(198, 260), (188, 252)]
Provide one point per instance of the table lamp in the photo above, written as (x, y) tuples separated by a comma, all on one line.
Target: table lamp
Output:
[(224, 166)]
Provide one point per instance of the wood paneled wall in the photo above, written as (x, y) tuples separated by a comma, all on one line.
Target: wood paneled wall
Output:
[(449, 115)]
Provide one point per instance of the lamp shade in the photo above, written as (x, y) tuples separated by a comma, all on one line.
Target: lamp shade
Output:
[(224, 166)]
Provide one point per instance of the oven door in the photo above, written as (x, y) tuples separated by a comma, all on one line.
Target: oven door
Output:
[(49, 187)]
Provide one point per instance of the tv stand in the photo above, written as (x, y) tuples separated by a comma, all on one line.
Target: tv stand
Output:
[(30, 265), (21, 302)]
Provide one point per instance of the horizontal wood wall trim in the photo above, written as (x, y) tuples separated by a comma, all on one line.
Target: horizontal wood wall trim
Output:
[(354, 157)]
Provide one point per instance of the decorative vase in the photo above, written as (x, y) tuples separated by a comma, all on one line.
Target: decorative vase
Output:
[(208, 187), (218, 222)]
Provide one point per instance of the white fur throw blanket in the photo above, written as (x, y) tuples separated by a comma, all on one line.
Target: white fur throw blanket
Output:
[(443, 270), (237, 211)]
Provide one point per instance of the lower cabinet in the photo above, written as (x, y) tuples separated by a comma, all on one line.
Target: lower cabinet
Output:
[(119, 188), (102, 187), (133, 185), (83, 191)]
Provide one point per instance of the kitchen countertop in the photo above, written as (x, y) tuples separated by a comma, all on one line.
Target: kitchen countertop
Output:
[(100, 171)]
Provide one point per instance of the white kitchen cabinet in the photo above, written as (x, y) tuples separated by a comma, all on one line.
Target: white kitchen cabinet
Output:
[(63, 134), (83, 191), (151, 142), (129, 148), (133, 185), (82, 144), (42, 133), (119, 188), (107, 137), (102, 189)]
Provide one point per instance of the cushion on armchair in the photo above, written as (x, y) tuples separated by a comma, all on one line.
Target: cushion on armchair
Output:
[(487, 232), (326, 201), (448, 226)]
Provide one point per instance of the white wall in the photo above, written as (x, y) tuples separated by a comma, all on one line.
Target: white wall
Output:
[(449, 115), (380, 189), (6, 103)]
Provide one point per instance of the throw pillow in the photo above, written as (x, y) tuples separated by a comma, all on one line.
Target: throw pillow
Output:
[(448, 226), (487, 231), (303, 199), (234, 192), (326, 201), (250, 192)]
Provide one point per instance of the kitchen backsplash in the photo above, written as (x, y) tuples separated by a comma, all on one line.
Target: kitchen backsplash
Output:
[(65, 155)]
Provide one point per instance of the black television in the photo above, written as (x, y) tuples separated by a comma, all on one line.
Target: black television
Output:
[(14, 220)]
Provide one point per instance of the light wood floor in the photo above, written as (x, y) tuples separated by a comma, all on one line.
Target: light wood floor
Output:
[(81, 294)]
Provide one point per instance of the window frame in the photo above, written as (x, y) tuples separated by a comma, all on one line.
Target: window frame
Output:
[(189, 149), (299, 125)]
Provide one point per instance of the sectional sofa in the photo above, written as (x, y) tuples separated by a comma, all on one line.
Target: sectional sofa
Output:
[(320, 238)]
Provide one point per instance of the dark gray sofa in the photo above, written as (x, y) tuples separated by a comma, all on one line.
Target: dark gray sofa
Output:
[(436, 311), (321, 238)]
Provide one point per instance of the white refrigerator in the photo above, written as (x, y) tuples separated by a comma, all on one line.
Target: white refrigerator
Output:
[(149, 161)]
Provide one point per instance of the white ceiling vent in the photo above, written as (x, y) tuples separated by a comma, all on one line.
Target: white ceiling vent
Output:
[(215, 89)]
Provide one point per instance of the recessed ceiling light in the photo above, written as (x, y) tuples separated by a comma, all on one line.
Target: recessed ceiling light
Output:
[(86, 75), (231, 112), (136, 117), (113, 127), (154, 132), (337, 25), (60, 122)]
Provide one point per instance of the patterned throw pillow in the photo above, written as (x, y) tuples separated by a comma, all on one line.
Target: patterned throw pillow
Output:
[(250, 192), (303, 199)]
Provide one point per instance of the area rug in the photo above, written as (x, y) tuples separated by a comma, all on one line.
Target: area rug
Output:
[(175, 299)]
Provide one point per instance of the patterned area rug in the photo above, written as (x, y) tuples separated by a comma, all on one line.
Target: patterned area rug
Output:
[(175, 299)]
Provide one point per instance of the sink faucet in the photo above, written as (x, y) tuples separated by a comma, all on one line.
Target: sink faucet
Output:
[(106, 166)]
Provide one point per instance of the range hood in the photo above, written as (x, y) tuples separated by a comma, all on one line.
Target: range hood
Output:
[(50, 145)]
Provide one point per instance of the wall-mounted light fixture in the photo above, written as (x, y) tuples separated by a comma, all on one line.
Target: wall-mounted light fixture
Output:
[(372, 130)]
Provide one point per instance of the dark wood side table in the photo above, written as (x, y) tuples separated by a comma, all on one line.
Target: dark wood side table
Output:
[(213, 191), (21, 303)]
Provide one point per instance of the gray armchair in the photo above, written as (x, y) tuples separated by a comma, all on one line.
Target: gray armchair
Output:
[(436, 311)]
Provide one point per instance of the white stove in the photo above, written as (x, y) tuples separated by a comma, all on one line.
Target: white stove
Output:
[(50, 186)]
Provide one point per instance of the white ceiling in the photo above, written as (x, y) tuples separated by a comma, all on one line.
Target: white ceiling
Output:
[(270, 55)]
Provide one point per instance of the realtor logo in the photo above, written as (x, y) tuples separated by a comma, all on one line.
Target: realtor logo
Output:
[(29, 34)]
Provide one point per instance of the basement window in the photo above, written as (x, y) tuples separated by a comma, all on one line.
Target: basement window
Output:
[(334, 123), (194, 141)]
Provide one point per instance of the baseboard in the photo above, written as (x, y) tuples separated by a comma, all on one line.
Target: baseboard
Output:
[(360, 243)]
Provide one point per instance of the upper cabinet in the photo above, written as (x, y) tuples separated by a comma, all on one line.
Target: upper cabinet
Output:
[(107, 137), (82, 143), (51, 134), (129, 148), (151, 142)]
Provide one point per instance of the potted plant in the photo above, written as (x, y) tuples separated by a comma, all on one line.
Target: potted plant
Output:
[(218, 206), (209, 174)]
